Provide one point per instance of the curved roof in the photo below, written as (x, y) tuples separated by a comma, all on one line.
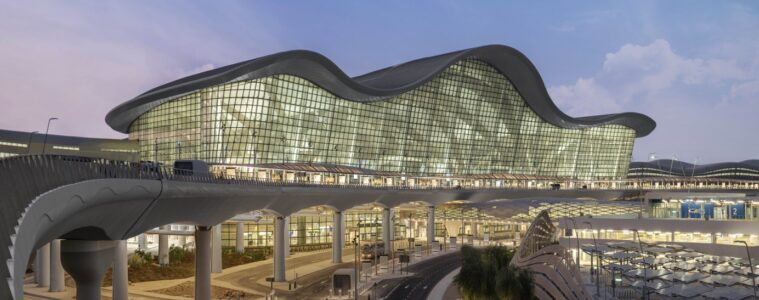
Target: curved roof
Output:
[(668, 167), (378, 85)]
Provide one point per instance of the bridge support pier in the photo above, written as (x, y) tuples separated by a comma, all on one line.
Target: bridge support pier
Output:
[(430, 224), (216, 250), (203, 238), (386, 229), (163, 247), (44, 266), (56, 269), (279, 249), (240, 238), (120, 274), (337, 237), (86, 262)]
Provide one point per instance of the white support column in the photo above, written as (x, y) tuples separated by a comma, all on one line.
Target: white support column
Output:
[(183, 238), (57, 283), (430, 224), (240, 238), (142, 242), (37, 264), (392, 225), (287, 236), (386, 228), (337, 237), (44, 279), (216, 250), (203, 238), (475, 232), (120, 274), (163, 246), (279, 249)]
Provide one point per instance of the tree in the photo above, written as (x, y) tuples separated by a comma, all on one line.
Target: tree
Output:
[(487, 274)]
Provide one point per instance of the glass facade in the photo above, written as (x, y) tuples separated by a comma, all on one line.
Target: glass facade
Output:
[(468, 120)]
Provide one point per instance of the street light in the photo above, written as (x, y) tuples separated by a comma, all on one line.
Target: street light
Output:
[(751, 264), (46, 131), (595, 242), (29, 143), (355, 267)]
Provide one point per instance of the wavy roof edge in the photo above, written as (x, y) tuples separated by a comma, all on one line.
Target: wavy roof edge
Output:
[(679, 166), (378, 85)]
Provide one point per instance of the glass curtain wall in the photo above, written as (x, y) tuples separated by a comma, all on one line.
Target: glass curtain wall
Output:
[(468, 120)]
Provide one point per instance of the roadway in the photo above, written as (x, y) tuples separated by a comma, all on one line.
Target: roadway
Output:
[(315, 283), (426, 274)]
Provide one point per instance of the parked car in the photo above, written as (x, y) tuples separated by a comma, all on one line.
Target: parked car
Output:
[(368, 251)]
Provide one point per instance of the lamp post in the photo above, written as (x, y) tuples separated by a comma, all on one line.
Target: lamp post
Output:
[(751, 265), (355, 267), (44, 144), (577, 237), (645, 269), (29, 143), (598, 254)]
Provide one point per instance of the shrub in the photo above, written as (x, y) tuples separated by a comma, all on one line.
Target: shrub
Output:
[(487, 274)]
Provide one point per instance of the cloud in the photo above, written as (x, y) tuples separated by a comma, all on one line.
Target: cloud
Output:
[(687, 97)]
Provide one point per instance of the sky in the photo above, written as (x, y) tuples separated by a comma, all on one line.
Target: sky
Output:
[(693, 66)]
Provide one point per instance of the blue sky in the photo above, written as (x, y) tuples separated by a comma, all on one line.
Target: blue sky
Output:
[(691, 65)]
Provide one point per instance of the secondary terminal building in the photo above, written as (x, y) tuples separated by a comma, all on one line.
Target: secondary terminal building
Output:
[(664, 168)]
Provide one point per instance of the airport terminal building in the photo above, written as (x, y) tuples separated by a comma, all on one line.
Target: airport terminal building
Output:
[(477, 113)]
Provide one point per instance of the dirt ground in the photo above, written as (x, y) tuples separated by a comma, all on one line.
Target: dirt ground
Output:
[(187, 289)]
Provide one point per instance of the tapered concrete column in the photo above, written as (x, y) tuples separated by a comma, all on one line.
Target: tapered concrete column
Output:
[(142, 242), (337, 237), (279, 249), (203, 238), (240, 238), (57, 283), (287, 236), (216, 250), (120, 274), (44, 268), (430, 224), (163, 247), (386, 228), (86, 262)]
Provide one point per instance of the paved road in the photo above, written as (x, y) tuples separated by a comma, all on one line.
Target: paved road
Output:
[(426, 275), (249, 277)]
